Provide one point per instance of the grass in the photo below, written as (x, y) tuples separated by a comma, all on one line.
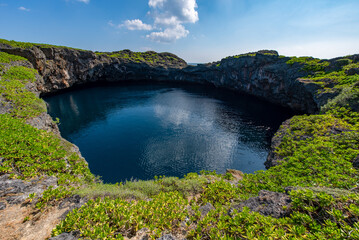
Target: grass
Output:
[(149, 57), (254, 54), (7, 58), (189, 185), (25, 104), (114, 218), (25, 45), (310, 64)]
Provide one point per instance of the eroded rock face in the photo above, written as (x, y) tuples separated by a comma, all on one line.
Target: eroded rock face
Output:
[(264, 74), (268, 204), (16, 191), (67, 236), (62, 68), (273, 159)]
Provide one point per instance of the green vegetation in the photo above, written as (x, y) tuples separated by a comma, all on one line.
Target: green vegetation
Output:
[(331, 76), (254, 54), (349, 96), (112, 218), (25, 45), (13, 83), (315, 216), (310, 64), (7, 58), (149, 57), (191, 184), (27, 152), (317, 150)]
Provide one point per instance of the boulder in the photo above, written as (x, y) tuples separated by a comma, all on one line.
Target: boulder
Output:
[(67, 236), (268, 204), (238, 175), (205, 209)]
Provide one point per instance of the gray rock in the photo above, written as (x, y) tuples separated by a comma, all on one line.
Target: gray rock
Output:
[(141, 234), (2, 205), (167, 237), (67, 236), (206, 208), (273, 159), (72, 202), (268, 203), (352, 71), (356, 162), (44, 122), (19, 190), (5, 106)]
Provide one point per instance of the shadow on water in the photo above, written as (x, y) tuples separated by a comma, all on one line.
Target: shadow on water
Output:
[(139, 131)]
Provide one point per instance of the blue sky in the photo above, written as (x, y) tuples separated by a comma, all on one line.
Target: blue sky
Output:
[(196, 30)]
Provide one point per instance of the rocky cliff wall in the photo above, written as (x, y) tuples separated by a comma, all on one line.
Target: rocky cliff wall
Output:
[(264, 74)]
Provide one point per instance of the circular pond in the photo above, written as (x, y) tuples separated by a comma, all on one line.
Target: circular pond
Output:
[(141, 131)]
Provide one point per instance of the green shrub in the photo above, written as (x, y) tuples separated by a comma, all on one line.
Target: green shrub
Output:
[(7, 58), (13, 82), (309, 64), (347, 97), (25, 45), (114, 218), (28, 152)]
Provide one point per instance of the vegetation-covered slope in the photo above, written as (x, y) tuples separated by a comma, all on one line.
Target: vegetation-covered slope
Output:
[(316, 170)]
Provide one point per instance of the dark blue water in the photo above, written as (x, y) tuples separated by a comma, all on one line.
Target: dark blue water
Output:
[(140, 131)]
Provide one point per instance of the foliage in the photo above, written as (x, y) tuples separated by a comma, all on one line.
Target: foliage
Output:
[(254, 54), (25, 45), (7, 58), (114, 218), (314, 216), (149, 57), (190, 185), (13, 83), (317, 150), (310, 64), (348, 97), (28, 152), (219, 193)]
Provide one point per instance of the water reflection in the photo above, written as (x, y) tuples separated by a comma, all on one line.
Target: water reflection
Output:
[(141, 131)]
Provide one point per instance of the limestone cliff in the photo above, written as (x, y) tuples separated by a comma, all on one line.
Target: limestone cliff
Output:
[(264, 74)]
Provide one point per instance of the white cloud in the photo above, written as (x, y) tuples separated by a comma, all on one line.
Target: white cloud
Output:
[(84, 1), (169, 16), (24, 9), (172, 14), (170, 34), (136, 24), (183, 11)]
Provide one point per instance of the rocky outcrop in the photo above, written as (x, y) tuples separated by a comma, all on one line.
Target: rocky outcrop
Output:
[(16, 191), (62, 68), (67, 236), (264, 74), (268, 204), (273, 159)]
